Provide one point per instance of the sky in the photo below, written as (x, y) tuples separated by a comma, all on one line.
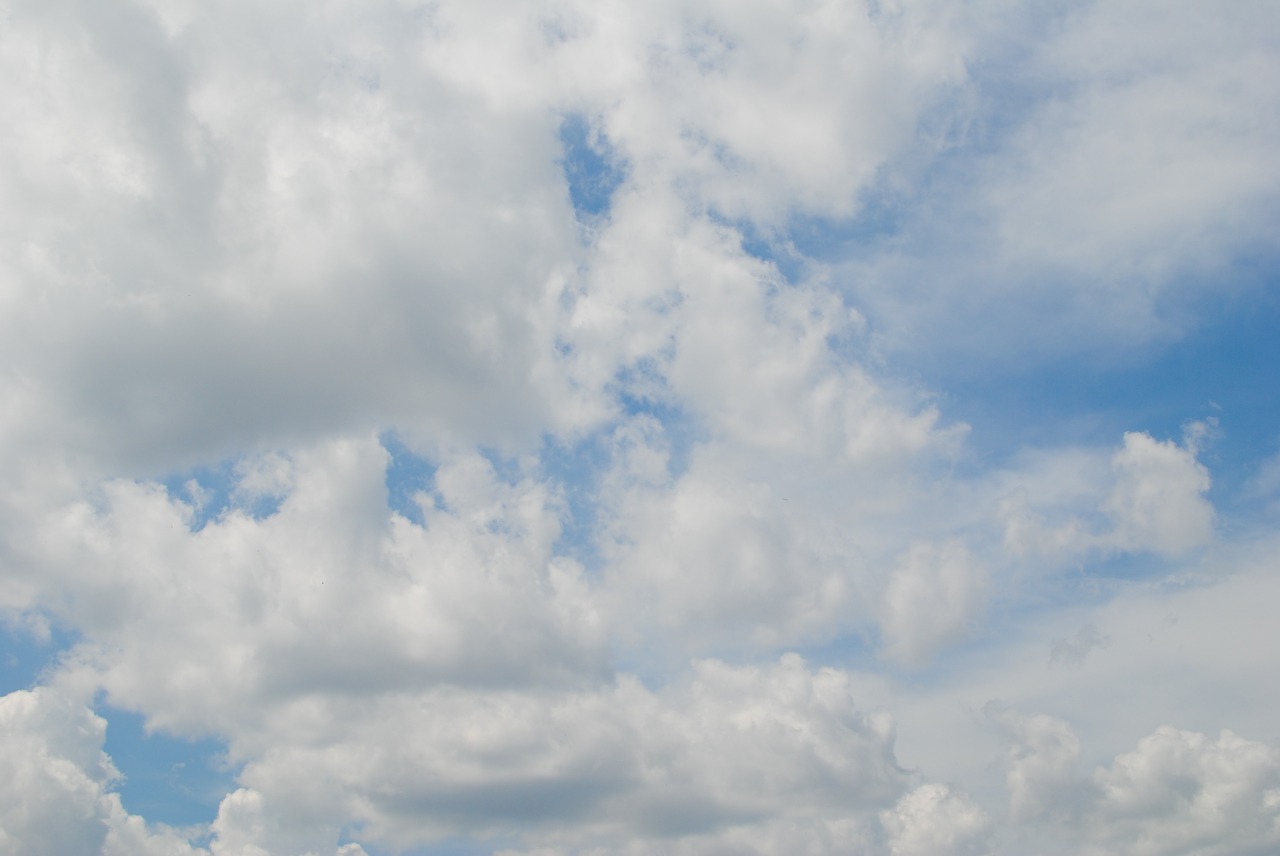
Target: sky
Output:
[(566, 428)]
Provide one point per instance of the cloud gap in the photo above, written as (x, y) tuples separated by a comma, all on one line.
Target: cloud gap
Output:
[(408, 476), (591, 167), (167, 779)]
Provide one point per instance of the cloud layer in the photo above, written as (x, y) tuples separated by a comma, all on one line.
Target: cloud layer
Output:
[(525, 428)]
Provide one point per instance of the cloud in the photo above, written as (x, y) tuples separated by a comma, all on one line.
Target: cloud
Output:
[(733, 104), (1182, 791), (281, 601), (933, 819), (59, 792), (1073, 651), (724, 748), (1176, 792), (934, 597), (1042, 764), (337, 428), (1111, 168), (1157, 502), (57, 782), (325, 259), (55, 786), (360, 219)]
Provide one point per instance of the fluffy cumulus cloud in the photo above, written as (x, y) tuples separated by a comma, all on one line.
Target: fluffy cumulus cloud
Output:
[(1175, 792), (1158, 501), (568, 427), (375, 603), (933, 819), (1150, 498), (58, 781), (1181, 790), (727, 747)]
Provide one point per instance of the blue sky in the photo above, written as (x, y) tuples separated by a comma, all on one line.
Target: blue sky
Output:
[(553, 428)]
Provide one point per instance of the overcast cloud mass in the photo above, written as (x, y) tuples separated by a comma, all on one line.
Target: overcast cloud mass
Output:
[(550, 427)]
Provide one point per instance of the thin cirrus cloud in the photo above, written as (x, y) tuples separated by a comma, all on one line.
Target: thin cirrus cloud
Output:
[(1102, 180), (542, 428)]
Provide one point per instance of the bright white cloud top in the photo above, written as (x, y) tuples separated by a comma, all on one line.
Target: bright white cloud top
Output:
[(562, 427)]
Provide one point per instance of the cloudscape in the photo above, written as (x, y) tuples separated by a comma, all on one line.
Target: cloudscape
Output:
[(585, 427)]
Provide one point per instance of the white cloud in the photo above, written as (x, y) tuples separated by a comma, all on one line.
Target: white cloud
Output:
[(751, 543), (1062, 505), (249, 239), (1158, 500), (733, 103), (725, 748), (1182, 791), (1042, 774), (1176, 792), (55, 775), (56, 794), (332, 593), (1115, 162), (300, 238), (1156, 156), (1073, 651), (1200, 646), (934, 820), (934, 596), (756, 549), (245, 226)]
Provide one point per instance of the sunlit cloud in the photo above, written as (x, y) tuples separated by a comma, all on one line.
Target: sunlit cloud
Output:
[(554, 428)]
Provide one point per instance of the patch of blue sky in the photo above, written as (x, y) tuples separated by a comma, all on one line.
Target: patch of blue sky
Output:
[(591, 167), (575, 468), (682, 430), (508, 468), (899, 210), (408, 476), (953, 139), (885, 210), (25, 656), (1121, 566), (1225, 368), (855, 650), (208, 490), (774, 247), (166, 779), (1218, 356), (211, 491), (1007, 85)]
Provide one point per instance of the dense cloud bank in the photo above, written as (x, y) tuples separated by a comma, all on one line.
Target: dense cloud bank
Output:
[(522, 427)]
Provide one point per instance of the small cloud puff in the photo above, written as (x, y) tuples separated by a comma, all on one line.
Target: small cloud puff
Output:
[(1152, 499), (1158, 501)]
